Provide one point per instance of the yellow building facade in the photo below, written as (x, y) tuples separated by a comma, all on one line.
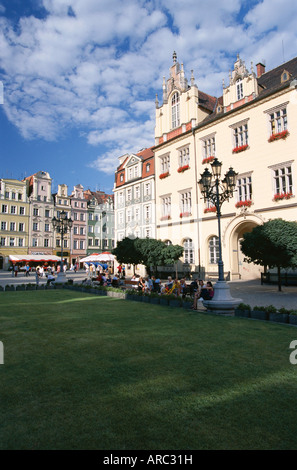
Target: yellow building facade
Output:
[(251, 128), (14, 220)]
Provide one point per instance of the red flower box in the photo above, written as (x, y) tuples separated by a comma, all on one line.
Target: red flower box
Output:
[(210, 209), (281, 196), (181, 169), (241, 148), (247, 203), (164, 175), (184, 214), (208, 160), (279, 135)]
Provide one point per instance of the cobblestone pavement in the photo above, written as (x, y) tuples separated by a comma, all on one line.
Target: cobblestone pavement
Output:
[(252, 293)]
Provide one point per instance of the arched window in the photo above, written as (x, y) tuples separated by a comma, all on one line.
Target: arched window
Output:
[(213, 247), (239, 89), (175, 110), (168, 242), (189, 251)]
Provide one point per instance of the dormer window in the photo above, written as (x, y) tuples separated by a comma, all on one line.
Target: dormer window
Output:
[(175, 110), (239, 89)]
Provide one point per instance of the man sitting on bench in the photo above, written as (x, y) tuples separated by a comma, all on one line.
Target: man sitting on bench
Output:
[(50, 280)]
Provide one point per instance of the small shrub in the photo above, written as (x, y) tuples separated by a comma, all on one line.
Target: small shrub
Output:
[(243, 306), (270, 309), (285, 311), (261, 308)]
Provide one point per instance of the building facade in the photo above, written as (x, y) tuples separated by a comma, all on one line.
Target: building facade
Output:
[(14, 220), (79, 231), (41, 235), (100, 223), (250, 128)]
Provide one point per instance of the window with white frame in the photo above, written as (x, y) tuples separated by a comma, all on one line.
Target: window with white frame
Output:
[(184, 156), (166, 206), (81, 245), (35, 226), (12, 226), (3, 225), (2, 241), (175, 115), (121, 218), (244, 188), (12, 241), (137, 213), (46, 227), (137, 192), (75, 244), (34, 242), (209, 147), (147, 212), (21, 242), (282, 179), (240, 134), (4, 208), (148, 232), (46, 243), (189, 251), (35, 212), (147, 189), (129, 216), (239, 88), (81, 230), (278, 121), (129, 194), (13, 210), (213, 247), (165, 163), (21, 227), (186, 202), (22, 210)]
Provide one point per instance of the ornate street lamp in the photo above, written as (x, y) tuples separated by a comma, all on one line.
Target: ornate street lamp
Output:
[(217, 190), (62, 225)]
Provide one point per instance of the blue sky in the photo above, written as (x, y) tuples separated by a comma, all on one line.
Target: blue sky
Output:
[(80, 76)]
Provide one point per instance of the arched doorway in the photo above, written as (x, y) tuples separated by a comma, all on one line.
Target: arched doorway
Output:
[(240, 269)]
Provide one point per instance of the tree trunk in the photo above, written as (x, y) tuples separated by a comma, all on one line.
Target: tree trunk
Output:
[(279, 278)]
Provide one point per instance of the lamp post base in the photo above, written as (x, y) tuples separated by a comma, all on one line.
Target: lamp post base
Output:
[(61, 277), (222, 301)]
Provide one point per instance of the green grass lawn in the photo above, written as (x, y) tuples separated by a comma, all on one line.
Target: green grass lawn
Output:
[(89, 372)]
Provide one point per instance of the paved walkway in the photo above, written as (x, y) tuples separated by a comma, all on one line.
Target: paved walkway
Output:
[(252, 293)]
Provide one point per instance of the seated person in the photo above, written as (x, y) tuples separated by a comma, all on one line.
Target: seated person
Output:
[(183, 288), (193, 287), (50, 280), (207, 291), (115, 281), (141, 284)]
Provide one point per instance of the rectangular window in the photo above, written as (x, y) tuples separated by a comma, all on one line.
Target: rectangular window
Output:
[(137, 192), (65, 243), (81, 231), (4, 208), (12, 241), (136, 213), (34, 242), (147, 212), (147, 189), (184, 157), (21, 227), (20, 197), (35, 226), (240, 135), (209, 147), (35, 212), (46, 227), (244, 188), (47, 213), (214, 250), (166, 206), (13, 195), (165, 164), (283, 183), (75, 244), (186, 202), (278, 121), (90, 229), (21, 242), (13, 210), (58, 243), (3, 225), (81, 217), (90, 216), (6, 195), (46, 243), (22, 210), (129, 194), (90, 242), (81, 245), (75, 230), (2, 241)]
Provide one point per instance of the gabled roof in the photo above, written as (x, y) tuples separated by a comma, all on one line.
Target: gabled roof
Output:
[(146, 155)]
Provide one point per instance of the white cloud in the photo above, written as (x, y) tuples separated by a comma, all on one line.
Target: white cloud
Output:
[(98, 67)]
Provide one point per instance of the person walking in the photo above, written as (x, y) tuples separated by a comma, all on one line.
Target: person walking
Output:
[(37, 276)]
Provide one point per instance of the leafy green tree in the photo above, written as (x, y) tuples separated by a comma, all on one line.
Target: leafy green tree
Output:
[(272, 244), (157, 253), (127, 252)]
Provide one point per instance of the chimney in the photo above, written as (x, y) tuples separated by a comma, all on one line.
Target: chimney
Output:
[(260, 69)]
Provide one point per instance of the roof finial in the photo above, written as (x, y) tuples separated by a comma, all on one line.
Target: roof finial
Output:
[(174, 57)]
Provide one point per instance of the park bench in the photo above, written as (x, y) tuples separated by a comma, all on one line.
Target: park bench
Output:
[(129, 284)]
